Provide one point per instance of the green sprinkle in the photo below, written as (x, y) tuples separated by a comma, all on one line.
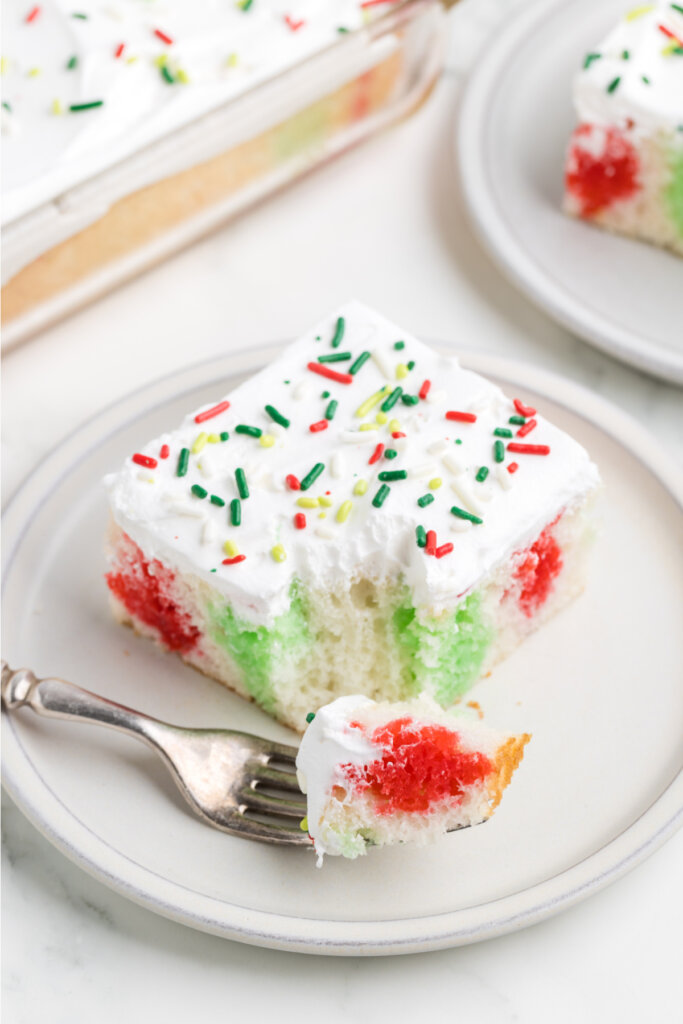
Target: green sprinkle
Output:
[(183, 462), (645, 79), (517, 421), (393, 474), (399, 345), (310, 716), (81, 17), (357, 363), (411, 364), (242, 428), (458, 440), (331, 409), (381, 496), (420, 536), (334, 357), (393, 398), (166, 75), (502, 432), (498, 451), (216, 500), (276, 416), (338, 332), (590, 57), (244, 5), (312, 476), (224, 435), (390, 453), (6, 106), (625, 55), (325, 394), (425, 500), (482, 474), (614, 84), (235, 511), (677, 7), (198, 491), (72, 63), (241, 481), (410, 399), (342, 31), (462, 514), (75, 107)]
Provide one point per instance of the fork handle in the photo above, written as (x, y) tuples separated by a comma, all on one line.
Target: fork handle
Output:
[(55, 698)]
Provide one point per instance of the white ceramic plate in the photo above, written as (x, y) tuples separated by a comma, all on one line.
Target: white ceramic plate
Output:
[(599, 688), (621, 295)]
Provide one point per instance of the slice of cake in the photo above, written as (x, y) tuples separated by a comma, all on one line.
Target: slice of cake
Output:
[(624, 168), (377, 774), (362, 515)]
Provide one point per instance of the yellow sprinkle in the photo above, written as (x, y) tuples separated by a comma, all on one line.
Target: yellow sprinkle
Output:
[(182, 76), (34, 72), (231, 548), (303, 824), (324, 500), (322, 515), (131, 60), (199, 443), (161, 60), (435, 483), (638, 12), (214, 438), (278, 552), (394, 426), (266, 440), (670, 48), (361, 487), (368, 426), (307, 502), (232, 61), (381, 418), (370, 403), (343, 511), (4, 65), (57, 107), (401, 371)]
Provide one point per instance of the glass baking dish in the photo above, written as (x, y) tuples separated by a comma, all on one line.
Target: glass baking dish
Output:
[(123, 220)]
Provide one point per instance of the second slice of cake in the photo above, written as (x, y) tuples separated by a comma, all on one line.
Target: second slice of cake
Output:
[(361, 516)]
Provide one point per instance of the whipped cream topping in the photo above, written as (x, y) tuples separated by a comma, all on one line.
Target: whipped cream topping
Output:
[(635, 77), (154, 66), (358, 521)]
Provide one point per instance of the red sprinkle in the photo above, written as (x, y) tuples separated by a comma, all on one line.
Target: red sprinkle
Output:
[(292, 482), (209, 414), (317, 427), (430, 546), (445, 549), (324, 371), (300, 521), (119, 49), (144, 460), (294, 25), (164, 38), (376, 455), (32, 15), (234, 560), (527, 428), (375, 3), (165, 451), (513, 467), (424, 390), (670, 34), (522, 409), (461, 417), (398, 433), (529, 449)]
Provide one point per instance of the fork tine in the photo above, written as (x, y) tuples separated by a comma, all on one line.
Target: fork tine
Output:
[(282, 753), (265, 804), (275, 778), (248, 828)]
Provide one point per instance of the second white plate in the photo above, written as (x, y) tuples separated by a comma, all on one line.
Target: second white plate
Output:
[(621, 295)]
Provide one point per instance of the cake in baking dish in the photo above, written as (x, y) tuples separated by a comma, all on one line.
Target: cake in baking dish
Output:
[(377, 773), (624, 168), (361, 516)]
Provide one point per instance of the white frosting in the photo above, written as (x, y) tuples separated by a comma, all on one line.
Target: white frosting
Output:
[(167, 521), (651, 105), (221, 51)]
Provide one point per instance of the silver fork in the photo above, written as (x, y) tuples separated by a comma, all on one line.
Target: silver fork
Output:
[(229, 778)]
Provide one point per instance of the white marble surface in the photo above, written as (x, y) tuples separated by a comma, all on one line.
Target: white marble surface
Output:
[(385, 224)]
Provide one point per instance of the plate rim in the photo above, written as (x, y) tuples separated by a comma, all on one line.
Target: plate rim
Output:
[(492, 231), (318, 936)]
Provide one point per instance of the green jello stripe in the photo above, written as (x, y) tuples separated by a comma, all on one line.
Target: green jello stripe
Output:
[(674, 192)]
